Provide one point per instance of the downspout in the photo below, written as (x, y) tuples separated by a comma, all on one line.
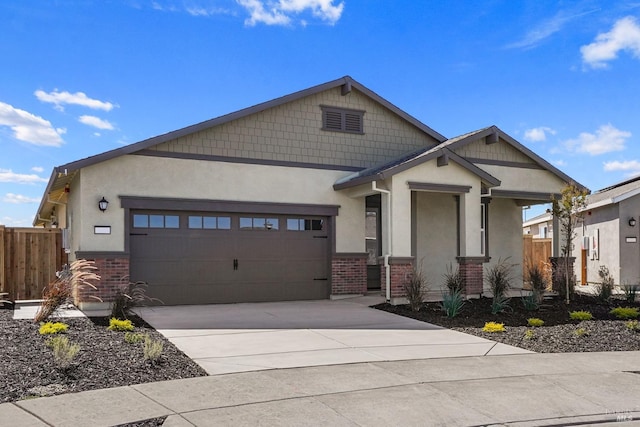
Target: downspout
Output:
[(387, 269)]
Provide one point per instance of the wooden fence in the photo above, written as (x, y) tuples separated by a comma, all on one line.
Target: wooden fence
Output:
[(29, 259), (535, 252)]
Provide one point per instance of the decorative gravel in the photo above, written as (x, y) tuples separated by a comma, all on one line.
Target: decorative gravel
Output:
[(105, 360)]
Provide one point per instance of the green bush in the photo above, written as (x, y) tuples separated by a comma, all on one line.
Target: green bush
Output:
[(120, 325), (625, 312), (50, 328), (580, 315), (581, 332), (452, 303), (134, 337), (63, 351), (605, 287), (630, 292), (152, 349), (531, 302), (493, 327), (499, 304), (529, 334), (633, 325), (535, 322)]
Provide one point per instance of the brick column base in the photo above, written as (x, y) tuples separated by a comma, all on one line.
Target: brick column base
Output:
[(558, 268), (114, 276), (471, 272), (401, 273), (349, 274)]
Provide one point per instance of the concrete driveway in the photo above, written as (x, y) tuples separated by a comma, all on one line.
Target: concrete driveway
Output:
[(250, 337)]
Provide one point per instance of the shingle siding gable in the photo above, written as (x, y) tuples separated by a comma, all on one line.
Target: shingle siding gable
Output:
[(293, 133), (500, 151)]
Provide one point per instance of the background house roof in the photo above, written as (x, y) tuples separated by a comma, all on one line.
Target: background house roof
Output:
[(614, 193)]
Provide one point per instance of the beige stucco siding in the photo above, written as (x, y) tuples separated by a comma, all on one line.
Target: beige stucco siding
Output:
[(292, 133), (605, 223), (500, 151), (505, 238), (145, 176), (436, 245), (74, 214), (524, 179)]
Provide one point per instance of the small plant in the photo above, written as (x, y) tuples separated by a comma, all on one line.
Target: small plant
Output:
[(529, 334), (500, 304), (492, 327), (133, 294), (535, 322), (50, 328), (530, 302), (581, 332), (452, 303), (625, 312), (134, 337), (453, 280), (63, 351), (120, 325), (538, 281), (630, 292), (580, 315), (605, 287), (152, 349), (415, 287), (633, 325), (499, 277)]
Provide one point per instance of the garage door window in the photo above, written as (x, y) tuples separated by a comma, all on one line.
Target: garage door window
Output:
[(259, 223), (156, 221), (300, 224), (210, 222)]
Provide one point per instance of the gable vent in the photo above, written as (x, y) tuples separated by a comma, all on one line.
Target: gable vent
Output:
[(342, 120)]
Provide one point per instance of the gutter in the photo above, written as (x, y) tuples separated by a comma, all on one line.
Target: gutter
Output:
[(387, 268)]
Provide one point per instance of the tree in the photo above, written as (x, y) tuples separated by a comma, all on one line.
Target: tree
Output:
[(568, 209)]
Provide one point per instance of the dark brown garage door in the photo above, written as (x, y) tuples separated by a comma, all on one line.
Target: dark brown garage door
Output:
[(201, 258)]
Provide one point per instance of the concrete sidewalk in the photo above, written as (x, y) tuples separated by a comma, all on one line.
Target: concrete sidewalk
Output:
[(228, 338), (518, 390)]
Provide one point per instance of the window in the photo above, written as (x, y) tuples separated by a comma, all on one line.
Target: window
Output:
[(342, 120), (259, 223), (300, 224), (210, 222), (484, 238), (156, 221)]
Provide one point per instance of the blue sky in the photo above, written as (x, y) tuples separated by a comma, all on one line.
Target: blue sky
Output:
[(81, 77)]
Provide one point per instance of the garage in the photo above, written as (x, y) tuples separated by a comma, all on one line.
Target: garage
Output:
[(195, 257)]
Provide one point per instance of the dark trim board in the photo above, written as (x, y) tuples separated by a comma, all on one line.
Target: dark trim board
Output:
[(101, 254), (438, 188), (523, 195), (520, 165)]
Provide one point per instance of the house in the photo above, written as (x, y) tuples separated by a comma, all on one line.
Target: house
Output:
[(540, 226), (322, 193), (608, 234)]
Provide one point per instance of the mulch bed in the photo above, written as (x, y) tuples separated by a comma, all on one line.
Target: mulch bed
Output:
[(105, 360), (558, 335)]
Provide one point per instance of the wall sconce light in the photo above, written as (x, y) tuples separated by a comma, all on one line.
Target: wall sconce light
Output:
[(632, 222), (103, 204)]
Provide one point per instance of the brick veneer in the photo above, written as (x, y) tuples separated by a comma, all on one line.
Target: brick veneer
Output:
[(471, 272), (349, 274), (114, 276), (401, 272)]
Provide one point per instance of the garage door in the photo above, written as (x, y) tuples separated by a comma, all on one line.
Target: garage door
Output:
[(200, 258)]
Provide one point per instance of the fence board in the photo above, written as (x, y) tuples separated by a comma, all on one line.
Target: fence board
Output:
[(535, 252), (29, 259)]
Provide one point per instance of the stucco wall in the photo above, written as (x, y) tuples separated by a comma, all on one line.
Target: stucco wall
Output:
[(630, 251), (505, 237), (436, 246), (74, 215), (292, 133), (523, 179), (192, 179), (605, 220)]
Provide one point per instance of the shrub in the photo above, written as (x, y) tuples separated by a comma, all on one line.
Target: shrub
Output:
[(538, 280), (625, 312), (531, 302), (633, 325), (580, 315), (581, 332), (529, 334), (453, 280), (134, 294), (535, 322), (134, 337), (63, 351), (499, 304), (630, 292), (605, 287), (499, 277), (120, 325), (152, 349), (53, 328), (415, 288), (452, 303), (493, 327), (79, 274)]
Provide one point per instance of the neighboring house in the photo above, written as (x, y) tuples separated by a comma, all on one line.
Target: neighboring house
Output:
[(540, 226), (608, 234), (322, 193)]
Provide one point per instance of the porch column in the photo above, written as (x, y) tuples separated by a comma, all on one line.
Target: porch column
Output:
[(401, 260), (471, 258), (555, 249)]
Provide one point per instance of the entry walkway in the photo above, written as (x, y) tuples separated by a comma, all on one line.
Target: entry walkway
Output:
[(250, 337)]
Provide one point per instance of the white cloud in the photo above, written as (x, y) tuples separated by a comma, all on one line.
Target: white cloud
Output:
[(625, 35), (538, 134), (13, 222), (546, 29), (280, 12), (18, 199), (30, 128), (7, 175), (559, 163), (79, 98), (606, 139), (38, 169), (632, 167), (96, 122)]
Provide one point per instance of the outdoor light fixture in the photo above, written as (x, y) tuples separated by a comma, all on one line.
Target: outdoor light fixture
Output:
[(632, 222), (102, 204)]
